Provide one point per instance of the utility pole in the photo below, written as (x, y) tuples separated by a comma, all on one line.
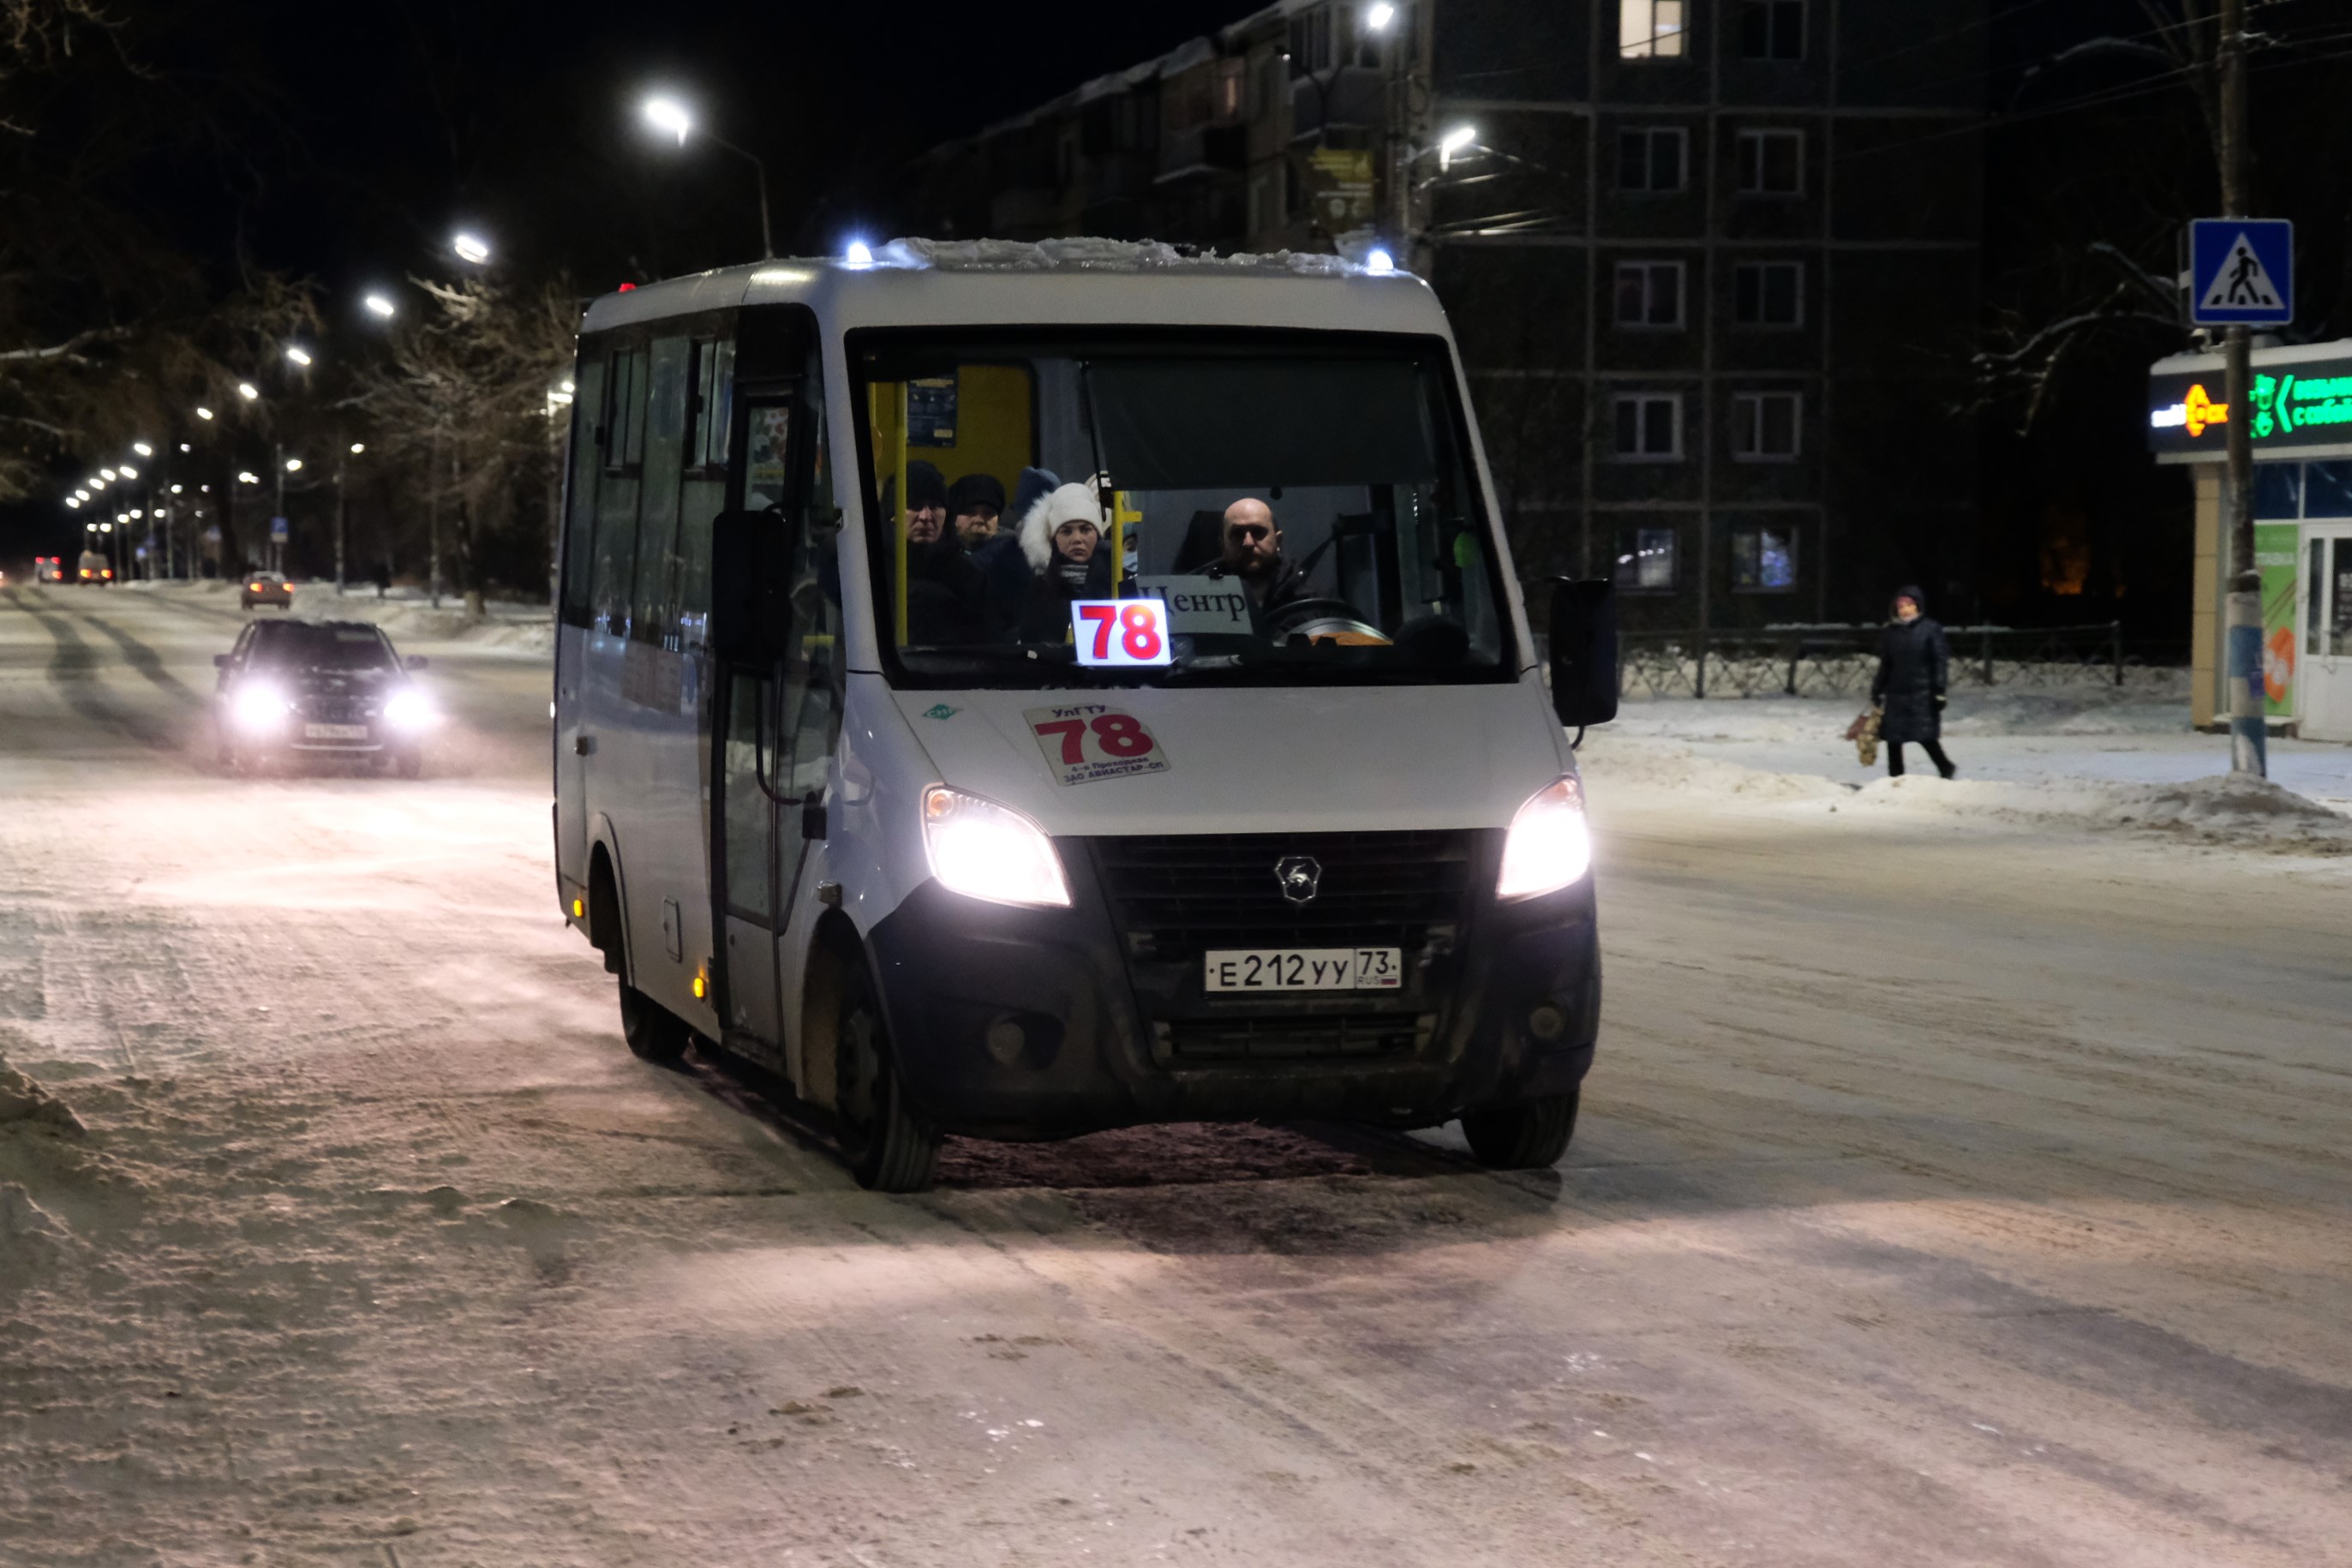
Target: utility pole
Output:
[(2247, 748), (343, 523), (432, 520), (277, 550)]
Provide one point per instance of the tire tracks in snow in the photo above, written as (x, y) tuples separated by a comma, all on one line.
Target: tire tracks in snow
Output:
[(74, 669)]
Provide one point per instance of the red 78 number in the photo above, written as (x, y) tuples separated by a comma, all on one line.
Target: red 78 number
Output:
[(1117, 734), (1135, 622)]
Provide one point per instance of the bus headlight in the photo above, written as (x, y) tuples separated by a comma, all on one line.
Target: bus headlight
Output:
[(1548, 845), (258, 705), (982, 850), (407, 710)]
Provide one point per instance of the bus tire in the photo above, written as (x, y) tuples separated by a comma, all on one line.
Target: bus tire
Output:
[(1526, 1136), (654, 1033), (886, 1149)]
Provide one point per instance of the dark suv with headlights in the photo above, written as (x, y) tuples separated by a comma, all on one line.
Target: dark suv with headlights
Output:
[(294, 689)]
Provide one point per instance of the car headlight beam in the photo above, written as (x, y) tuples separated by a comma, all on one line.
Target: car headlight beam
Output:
[(983, 850), (258, 705), (1549, 845), (407, 709)]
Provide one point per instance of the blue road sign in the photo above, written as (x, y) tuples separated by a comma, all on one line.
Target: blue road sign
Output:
[(2241, 271), (277, 530)]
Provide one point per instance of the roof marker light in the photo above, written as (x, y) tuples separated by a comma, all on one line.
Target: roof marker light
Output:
[(1380, 263), (858, 255)]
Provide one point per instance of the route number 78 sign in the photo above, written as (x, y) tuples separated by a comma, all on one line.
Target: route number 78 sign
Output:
[(1084, 742), (1119, 631)]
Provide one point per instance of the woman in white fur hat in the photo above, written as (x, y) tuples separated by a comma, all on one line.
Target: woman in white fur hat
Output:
[(1061, 537)]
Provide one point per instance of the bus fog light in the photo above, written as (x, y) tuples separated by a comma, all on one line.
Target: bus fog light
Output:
[(1006, 1041), (982, 850), (1548, 845)]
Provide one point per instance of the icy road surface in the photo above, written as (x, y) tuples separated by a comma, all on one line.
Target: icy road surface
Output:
[(1950, 1190)]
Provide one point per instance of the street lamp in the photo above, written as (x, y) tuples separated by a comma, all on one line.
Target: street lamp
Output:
[(127, 472), (293, 465), (247, 477), (203, 413), (470, 249), (298, 354), (106, 473), (1378, 18), (670, 116), (357, 447), (142, 449), (379, 306), (247, 391), (1454, 142)]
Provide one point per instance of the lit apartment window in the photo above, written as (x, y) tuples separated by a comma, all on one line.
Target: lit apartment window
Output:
[(1771, 162), (1646, 564), (1772, 29), (1649, 293), (1764, 426), (1652, 158), (1767, 294), (1649, 29), (1649, 426), (1763, 560)]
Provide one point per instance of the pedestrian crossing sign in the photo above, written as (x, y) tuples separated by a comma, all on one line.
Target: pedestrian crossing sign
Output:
[(2241, 271)]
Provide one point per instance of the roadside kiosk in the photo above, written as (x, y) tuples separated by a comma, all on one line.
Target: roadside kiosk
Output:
[(2300, 414)]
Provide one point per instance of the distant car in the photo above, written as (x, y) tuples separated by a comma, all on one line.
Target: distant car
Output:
[(266, 588), (94, 570), (292, 689), (49, 569)]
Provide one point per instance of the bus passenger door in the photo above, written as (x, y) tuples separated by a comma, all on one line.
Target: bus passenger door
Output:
[(747, 855)]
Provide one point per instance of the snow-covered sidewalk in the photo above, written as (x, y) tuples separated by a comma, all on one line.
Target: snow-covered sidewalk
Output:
[(2100, 756)]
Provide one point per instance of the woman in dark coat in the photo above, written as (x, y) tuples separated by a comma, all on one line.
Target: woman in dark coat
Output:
[(1913, 662)]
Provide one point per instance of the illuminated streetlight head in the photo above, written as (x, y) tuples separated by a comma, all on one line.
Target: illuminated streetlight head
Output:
[(293, 465), (247, 391), (142, 449), (128, 472), (1377, 19), (201, 414), (669, 115), (357, 447), (74, 501), (471, 248), (380, 305), (298, 354), (176, 489), (247, 477), (106, 473)]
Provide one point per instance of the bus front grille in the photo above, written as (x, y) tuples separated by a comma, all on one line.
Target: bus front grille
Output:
[(1179, 895)]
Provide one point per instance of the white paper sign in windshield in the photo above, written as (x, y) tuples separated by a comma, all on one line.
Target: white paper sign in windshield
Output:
[(1119, 631), (1201, 605)]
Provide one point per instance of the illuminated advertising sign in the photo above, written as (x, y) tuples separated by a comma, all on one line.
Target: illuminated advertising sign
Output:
[(2298, 406)]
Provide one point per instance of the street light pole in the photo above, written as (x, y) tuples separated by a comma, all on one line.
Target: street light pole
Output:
[(2247, 743), (668, 114)]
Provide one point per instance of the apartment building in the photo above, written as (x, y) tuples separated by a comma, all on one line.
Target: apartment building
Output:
[(1713, 264)]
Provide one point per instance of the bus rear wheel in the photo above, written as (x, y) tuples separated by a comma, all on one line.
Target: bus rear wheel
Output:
[(654, 1033), (1526, 1137), (884, 1146)]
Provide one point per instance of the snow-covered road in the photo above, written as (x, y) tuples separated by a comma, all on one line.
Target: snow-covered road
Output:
[(1952, 1188)]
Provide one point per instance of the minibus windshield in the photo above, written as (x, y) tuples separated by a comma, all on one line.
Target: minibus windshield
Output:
[(1291, 509)]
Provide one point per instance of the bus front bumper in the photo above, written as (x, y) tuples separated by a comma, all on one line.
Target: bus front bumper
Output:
[(1013, 1023)]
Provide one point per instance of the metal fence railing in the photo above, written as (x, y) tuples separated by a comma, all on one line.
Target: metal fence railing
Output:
[(1839, 660)]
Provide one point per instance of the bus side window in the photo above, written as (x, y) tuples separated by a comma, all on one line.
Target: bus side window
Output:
[(653, 616), (814, 669), (612, 569), (579, 505), (703, 493)]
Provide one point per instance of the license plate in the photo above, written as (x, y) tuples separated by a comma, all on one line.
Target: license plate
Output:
[(334, 731), (1306, 969)]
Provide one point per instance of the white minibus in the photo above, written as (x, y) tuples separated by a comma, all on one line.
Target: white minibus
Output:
[(1016, 691)]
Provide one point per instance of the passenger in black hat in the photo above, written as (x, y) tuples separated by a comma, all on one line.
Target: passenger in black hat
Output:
[(975, 503)]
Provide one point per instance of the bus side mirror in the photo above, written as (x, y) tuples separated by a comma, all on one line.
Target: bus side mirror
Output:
[(751, 606), (1584, 651)]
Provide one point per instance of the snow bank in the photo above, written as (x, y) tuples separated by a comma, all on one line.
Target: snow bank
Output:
[(1090, 255), (2151, 702), (2221, 809)]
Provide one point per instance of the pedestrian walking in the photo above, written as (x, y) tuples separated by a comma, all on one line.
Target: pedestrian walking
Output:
[(383, 578), (1914, 662)]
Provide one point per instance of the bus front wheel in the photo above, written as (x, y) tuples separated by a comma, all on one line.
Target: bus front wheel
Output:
[(1526, 1136), (886, 1149)]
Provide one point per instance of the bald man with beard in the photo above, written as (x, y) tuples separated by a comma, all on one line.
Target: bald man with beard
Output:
[(1252, 553)]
